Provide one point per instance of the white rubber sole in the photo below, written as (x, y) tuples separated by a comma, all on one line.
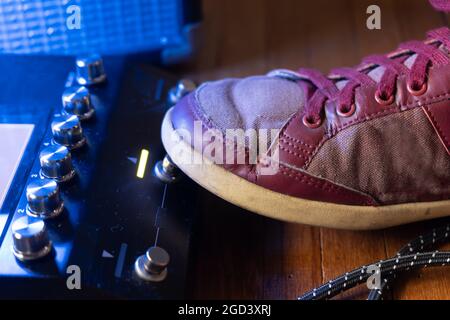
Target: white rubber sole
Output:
[(275, 205)]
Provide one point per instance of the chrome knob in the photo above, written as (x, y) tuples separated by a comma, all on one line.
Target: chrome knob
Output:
[(183, 87), (56, 163), (166, 170), (67, 131), (153, 265), (77, 101), (30, 239), (44, 199), (90, 70)]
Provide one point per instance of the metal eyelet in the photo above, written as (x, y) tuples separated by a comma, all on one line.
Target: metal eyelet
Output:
[(309, 122), (382, 101), (417, 92), (345, 111)]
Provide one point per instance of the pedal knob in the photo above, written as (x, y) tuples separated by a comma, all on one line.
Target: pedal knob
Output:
[(44, 199), (90, 70), (183, 87), (153, 265), (67, 131), (56, 163), (30, 239), (166, 170), (77, 101)]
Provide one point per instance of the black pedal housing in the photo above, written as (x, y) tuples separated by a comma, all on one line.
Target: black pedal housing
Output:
[(111, 216)]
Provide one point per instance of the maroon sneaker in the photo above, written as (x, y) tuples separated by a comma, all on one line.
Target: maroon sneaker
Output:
[(364, 148)]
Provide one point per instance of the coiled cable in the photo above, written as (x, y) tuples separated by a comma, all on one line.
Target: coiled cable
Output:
[(409, 257), (436, 237)]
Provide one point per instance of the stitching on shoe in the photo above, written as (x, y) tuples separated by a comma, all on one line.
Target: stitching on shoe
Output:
[(358, 120), (371, 116), (438, 127), (230, 95), (366, 117), (205, 122), (227, 142), (200, 112), (319, 145), (371, 200), (293, 152), (284, 134), (423, 101), (310, 154), (284, 140), (195, 106), (320, 184), (310, 181), (287, 136)]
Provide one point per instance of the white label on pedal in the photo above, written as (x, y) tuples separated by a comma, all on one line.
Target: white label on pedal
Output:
[(14, 139)]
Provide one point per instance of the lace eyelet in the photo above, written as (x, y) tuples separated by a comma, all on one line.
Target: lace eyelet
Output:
[(383, 101), (345, 111), (417, 92), (311, 123)]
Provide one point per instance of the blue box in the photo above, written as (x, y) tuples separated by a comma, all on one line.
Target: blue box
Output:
[(73, 27)]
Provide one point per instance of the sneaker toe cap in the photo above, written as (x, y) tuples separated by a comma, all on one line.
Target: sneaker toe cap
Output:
[(259, 102)]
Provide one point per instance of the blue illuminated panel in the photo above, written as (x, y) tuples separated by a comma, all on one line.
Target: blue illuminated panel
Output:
[(71, 27)]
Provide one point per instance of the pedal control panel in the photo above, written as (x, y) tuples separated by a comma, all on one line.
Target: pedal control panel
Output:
[(95, 209)]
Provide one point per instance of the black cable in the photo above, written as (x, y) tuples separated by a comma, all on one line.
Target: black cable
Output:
[(360, 275), (436, 237)]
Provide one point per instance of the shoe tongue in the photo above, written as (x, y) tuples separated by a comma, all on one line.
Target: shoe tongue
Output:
[(377, 73), (441, 5), (445, 50)]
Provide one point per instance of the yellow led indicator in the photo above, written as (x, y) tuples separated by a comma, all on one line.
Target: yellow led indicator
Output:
[(142, 163)]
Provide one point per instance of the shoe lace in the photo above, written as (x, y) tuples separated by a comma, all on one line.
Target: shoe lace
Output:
[(427, 54), (442, 5)]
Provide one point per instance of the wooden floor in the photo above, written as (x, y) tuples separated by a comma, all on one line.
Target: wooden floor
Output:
[(239, 255)]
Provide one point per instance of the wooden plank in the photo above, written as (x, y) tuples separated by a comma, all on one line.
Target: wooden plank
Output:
[(228, 252)]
